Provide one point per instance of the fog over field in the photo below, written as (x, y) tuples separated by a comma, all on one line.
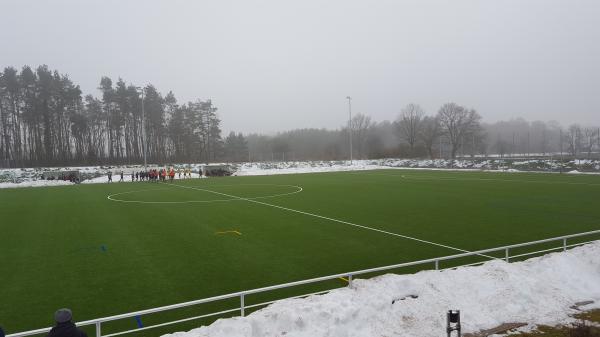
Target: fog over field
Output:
[(272, 66)]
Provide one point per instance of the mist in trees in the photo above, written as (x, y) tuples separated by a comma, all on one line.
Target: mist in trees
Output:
[(452, 131), (44, 120), (236, 148)]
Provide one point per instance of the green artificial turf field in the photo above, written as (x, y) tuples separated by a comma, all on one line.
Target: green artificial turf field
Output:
[(151, 244)]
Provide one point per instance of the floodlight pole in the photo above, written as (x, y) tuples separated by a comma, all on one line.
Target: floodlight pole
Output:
[(350, 125), (528, 144), (561, 149)]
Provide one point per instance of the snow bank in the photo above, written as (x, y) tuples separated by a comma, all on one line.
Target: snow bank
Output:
[(32, 177), (126, 178), (253, 169), (487, 165), (97, 174), (540, 290), (35, 183)]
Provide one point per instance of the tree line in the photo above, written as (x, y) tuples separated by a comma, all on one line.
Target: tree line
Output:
[(453, 131), (413, 134), (45, 120)]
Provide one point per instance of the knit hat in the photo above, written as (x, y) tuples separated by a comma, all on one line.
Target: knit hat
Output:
[(63, 315)]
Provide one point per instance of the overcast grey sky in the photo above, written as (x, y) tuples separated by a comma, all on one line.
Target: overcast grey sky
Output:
[(275, 65)]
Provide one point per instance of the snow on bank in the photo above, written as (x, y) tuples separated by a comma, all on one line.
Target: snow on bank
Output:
[(488, 165), (540, 290), (35, 183), (254, 169), (126, 178), (97, 174), (33, 177)]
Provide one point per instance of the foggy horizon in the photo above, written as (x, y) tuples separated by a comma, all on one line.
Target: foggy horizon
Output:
[(270, 66)]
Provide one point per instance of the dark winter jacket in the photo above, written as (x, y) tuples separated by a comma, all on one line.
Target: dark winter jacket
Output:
[(1, 332), (67, 329)]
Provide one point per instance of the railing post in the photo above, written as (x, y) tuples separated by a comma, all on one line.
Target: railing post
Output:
[(437, 264), (506, 255), (564, 244), (242, 305), (350, 280), (98, 330)]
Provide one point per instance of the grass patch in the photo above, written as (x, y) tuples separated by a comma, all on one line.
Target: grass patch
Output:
[(580, 329), (592, 316)]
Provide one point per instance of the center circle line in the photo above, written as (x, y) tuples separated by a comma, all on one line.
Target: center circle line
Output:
[(111, 197)]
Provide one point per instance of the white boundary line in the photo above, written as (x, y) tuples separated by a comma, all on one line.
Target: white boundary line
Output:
[(110, 196), (332, 219), (408, 176)]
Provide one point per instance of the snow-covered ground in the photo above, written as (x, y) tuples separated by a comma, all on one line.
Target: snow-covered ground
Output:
[(126, 178), (538, 291), (97, 174), (30, 177), (34, 183), (271, 168)]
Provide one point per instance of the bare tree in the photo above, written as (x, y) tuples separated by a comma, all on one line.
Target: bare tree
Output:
[(458, 123), (573, 139), (589, 140), (360, 125), (540, 138), (429, 133), (598, 140), (501, 147), (408, 124)]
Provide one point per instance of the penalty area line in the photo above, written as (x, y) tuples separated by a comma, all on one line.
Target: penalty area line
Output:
[(335, 220)]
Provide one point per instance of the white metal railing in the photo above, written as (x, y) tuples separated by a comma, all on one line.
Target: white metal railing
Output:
[(349, 276)]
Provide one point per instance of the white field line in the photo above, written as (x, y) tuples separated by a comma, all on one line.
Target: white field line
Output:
[(334, 220), (111, 196), (408, 176)]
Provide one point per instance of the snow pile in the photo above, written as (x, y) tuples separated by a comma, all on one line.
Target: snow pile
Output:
[(540, 290)]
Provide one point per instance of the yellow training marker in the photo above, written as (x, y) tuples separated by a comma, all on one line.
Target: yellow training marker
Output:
[(227, 232)]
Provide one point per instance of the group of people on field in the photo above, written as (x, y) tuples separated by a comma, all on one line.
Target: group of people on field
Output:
[(161, 174), (155, 175)]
